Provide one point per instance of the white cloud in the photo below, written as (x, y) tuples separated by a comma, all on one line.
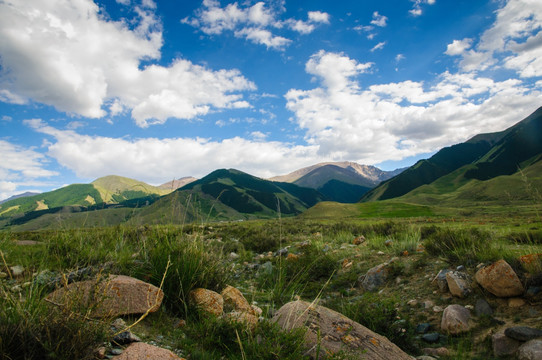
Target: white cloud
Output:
[(399, 57), (255, 23), (66, 54), (514, 41), (458, 47), (156, 160), (379, 20), (318, 16), (378, 46), (263, 37), (20, 167), (258, 135), (397, 120), (417, 7)]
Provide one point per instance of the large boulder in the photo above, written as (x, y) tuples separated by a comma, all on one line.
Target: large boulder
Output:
[(376, 276), (113, 296), (207, 301), (142, 351), (234, 300), (503, 345), (500, 279), (455, 319), (531, 350), (329, 332)]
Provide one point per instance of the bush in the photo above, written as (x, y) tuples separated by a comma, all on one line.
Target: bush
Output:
[(380, 316), (34, 329), (460, 246)]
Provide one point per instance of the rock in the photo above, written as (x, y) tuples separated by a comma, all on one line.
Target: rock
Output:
[(125, 337), (388, 242), (428, 304), (482, 307), (438, 352), (460, 268), (246, 318), (441, 280), (437, 309), (499, 279), (420, 248), (116, 295), (331, 332), (115, 351), (455, 319), (532, 291), (523, 333), (207, 301), (234, 255), (292, 257), (142, 351), (431, 338), (458, 283), (375, 277), (100, 352), (425, 357), (234, 300), (423, 328), (281, 252), (503, 345), (17, 270), (516, 302), (257, 310), (3, 275), (359, 240), (118, 324), (531, 350), (412, 302)]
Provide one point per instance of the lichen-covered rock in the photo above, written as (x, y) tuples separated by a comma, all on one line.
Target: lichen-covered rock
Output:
[(246, 318), (142, 351), (500, 279), (207, 301), (330, 332), (115, 295), (458, 283), (234, 300), (455, 319)]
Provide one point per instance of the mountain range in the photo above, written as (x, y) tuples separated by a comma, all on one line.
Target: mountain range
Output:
[(495, 168)]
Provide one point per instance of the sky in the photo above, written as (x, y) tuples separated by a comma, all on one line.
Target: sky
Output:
[(158, 90)]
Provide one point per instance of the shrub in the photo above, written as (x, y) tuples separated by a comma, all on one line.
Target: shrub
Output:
[(461, 245)]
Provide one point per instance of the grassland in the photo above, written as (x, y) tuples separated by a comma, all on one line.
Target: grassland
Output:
[(200, 256)]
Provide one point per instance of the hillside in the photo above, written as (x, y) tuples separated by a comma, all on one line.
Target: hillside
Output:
[(177, 183), (483, 157), (25, 194), (116, 189), (251, 195)]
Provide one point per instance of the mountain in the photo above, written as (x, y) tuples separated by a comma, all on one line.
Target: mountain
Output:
[(343, 181), (177, 183), (102, 191), (470, 165), (116, 189), (25, 194), (248, 194)]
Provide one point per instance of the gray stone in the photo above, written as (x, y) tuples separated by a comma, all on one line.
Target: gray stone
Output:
[(115, 351), (482, 307), (431, 338), (531, 350), (441, 280), (423, 328), (458, 283), (330, 332), (17, 270), (125, 337), (375, 277), (523, 333), (503, 345), (281, 252), (455, 319)]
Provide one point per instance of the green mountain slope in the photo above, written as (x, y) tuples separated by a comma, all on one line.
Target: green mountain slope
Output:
[(483, 157), (247, 194), (116, 189)]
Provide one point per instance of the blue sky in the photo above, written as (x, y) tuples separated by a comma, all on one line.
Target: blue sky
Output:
[(156, 90)]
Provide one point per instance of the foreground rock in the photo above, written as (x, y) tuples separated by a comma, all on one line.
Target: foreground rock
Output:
[(500, 280), (503, 345), (458, 283), (531, 350), (331, 332), (142, 351), (523, 333), (207, 301), (455, 319), (234, 300), (114, 296), (376, 276)]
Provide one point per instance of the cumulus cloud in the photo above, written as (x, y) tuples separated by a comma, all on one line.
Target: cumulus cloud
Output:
[(397, 120), (417, 7), (379, 20), (255, 23), (20, 166), (156, 160), (514, 41), (66, 54)]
